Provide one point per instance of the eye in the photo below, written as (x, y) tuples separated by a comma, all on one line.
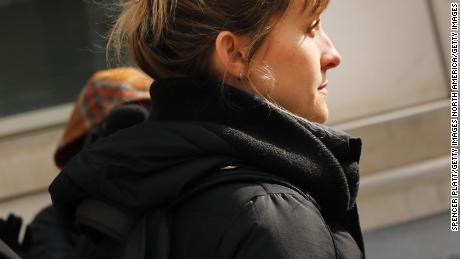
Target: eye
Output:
[(314, 25)]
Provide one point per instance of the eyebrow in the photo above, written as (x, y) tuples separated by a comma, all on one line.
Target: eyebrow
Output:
[(315, 6)]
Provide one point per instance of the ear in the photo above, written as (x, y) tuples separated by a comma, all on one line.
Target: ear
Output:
[(231, 54)]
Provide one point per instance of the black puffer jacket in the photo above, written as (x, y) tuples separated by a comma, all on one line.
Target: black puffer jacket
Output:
[(198, 129)]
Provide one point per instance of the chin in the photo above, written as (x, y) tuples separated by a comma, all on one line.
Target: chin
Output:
[(320, 120), (320, 116)]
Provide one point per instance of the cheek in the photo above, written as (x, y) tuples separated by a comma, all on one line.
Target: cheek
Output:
[(296, 71), (296, 68), (294, 62), (298, 74)]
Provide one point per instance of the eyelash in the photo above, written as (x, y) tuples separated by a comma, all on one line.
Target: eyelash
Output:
[(312, 27)]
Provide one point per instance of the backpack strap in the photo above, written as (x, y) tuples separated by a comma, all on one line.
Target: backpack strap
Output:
[(96, 217), (151, 237)]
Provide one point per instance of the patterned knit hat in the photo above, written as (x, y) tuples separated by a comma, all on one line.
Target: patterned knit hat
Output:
[(105, 91)]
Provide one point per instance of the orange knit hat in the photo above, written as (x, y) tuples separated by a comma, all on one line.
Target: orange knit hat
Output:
[(104, 91)]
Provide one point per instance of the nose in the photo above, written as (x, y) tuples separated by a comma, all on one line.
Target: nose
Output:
[(330, 57)]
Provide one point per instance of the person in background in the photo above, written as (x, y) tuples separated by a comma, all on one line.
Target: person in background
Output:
[(111, 100), (239, 102), (104, 92)]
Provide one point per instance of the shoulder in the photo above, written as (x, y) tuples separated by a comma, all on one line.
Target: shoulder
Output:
[(278, 225), (259, 214), (230, 197)]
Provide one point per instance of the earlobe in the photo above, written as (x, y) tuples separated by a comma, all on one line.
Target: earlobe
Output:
[(231, 54)]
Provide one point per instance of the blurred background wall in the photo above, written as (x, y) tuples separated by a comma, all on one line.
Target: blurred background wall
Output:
[(392, 90)]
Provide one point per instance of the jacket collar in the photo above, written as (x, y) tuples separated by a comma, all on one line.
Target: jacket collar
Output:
[(319, 159)]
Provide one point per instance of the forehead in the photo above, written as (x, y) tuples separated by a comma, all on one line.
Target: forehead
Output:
[(311, 7)]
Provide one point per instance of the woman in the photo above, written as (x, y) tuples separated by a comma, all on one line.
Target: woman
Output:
[(240, 95)]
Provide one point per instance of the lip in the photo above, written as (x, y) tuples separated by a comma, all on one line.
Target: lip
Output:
[(323, 85)]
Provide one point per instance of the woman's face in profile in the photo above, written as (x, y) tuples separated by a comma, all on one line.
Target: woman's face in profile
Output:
[(299, 53)]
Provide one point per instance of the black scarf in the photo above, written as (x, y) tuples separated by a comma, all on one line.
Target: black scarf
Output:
[(320, 160)]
